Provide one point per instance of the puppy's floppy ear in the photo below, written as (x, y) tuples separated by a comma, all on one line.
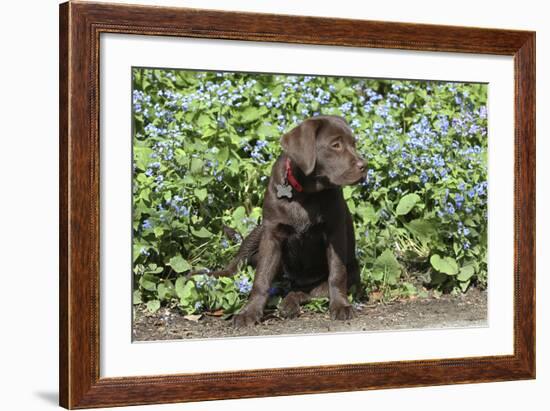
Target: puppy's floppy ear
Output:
[(299, 144)]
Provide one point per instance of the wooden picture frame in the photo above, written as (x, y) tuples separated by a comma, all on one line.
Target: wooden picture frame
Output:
[(80, 27)]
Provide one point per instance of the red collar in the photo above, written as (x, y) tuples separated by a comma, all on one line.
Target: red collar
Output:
[(291, 179)]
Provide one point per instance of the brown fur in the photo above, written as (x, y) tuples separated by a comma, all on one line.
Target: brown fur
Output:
[(308, 239)]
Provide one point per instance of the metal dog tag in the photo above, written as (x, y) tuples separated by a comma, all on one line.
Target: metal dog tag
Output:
[(283, 190)]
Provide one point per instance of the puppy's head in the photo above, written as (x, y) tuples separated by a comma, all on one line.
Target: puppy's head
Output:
[(323, 147)]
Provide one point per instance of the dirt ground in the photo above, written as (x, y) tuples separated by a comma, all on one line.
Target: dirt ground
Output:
[(467, 310)]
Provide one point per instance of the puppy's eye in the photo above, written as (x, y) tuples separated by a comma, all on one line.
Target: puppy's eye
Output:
[(336, 145)]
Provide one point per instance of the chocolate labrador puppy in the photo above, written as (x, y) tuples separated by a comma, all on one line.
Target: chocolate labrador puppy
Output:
[(306, 235)]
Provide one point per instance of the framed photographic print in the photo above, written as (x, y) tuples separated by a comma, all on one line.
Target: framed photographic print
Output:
[(257, 205)]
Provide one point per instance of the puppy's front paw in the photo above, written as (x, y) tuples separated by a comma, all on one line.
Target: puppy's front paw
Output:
[(342, 312), (247, 317)]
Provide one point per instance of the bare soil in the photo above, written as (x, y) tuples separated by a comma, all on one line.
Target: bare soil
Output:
[(467, 310)]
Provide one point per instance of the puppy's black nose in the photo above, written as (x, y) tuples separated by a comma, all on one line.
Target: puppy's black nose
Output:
[(360, 165)]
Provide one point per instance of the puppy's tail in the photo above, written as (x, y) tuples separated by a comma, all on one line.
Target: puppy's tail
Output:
[(247, 252)]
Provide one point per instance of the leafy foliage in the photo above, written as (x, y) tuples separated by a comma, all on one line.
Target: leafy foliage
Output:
[(204, 143)]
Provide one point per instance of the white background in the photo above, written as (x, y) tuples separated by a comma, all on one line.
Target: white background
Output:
[(29, 165), (119, 357)]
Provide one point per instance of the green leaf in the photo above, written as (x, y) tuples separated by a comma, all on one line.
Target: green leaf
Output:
[(162, 291), (231, 298), (466, 273), (153, 269), (386, 265), (147, 284), (180, 283), (457, 248), (137, 249), (185, 290), (368, 213), (145, 193), (222, 156), (407, 203), (446, 265), (201, 233), (424, 229), (201, 193), (142, 157), (377, 275), (204, 120), (196, 165), (184, 287), (250, 114), (267, 130), (153, 305), (464, 285), (256, 213), (238, 215), (179, 264), (348, 191), (165, 290), (136, 297)]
